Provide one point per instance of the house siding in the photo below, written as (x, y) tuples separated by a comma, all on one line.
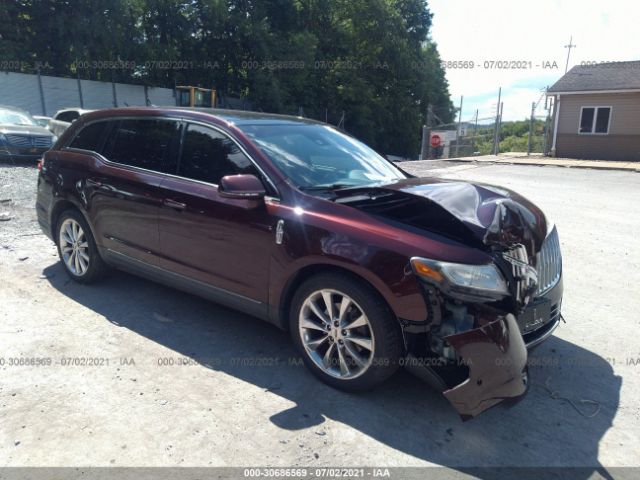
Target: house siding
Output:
[(621, 143), (599, 147)]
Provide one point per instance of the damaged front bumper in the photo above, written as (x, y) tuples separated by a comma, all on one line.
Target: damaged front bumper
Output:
[(491, 359), (497, 360)]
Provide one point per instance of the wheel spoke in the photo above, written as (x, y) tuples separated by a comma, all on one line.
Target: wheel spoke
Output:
[(308, 323), (69, 232), (344, 368), (70, 260), (353, 354), (326, 360), (76, 262), (319, 313), (326, 295), (314, 344), (344, 306), (360, 321), (66, 248), (362, 341), (84, 245), (84, 262)]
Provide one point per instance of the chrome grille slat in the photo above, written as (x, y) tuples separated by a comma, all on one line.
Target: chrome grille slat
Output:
[(549, 263), (28, 140)]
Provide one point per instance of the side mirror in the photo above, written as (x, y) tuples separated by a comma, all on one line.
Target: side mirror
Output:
[(242, 187)]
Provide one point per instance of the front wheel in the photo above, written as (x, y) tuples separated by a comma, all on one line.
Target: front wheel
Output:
[(345, 332)]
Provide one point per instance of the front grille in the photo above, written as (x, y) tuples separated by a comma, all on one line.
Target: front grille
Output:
[(549, 263), (28, 141)]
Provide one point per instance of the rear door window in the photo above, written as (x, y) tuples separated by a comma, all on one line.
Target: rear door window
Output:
[(208, 155), (90, 137), (143, 143)]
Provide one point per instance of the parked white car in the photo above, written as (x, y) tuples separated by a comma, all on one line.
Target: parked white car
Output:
[(63, 118)]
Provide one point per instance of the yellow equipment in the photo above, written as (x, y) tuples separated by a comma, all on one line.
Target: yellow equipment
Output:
[(195, 97)]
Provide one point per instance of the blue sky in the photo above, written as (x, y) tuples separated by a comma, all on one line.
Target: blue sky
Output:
[(527, 31)]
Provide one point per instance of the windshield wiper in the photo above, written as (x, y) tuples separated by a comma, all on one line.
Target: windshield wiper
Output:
[(329, 187)]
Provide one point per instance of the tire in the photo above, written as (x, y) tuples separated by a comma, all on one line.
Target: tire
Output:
[(354, 354), (77, 248)]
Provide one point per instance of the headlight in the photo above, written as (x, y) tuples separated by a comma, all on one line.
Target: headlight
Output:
[(54, 139), (484, 281), (3, 139)]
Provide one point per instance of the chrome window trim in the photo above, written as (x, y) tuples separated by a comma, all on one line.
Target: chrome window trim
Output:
[(103, 159)]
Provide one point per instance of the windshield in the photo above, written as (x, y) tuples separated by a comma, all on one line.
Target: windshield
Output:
[(317, 156), (12, 117)]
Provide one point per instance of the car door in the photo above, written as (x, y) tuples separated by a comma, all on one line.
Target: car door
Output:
[(124, 190), (223, 243)]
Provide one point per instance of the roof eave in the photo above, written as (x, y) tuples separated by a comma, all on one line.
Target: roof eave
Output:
[(593, 92)]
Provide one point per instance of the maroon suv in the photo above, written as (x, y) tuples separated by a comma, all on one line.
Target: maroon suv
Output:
[(295, 222)]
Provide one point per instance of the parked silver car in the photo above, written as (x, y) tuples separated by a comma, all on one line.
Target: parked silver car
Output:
[(21, 138)]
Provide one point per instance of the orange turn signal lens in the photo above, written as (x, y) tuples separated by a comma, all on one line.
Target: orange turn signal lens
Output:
[(424, 270)]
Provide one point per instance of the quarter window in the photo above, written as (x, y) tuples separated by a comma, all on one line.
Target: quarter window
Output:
[(89, 137), (595, 119), (141, 143), (208, 155)]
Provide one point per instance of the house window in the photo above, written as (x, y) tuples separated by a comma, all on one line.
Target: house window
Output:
[(595, 119)]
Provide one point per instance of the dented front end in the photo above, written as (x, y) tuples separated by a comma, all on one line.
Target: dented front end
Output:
[(481, 318), (480, 339), (476, 354)]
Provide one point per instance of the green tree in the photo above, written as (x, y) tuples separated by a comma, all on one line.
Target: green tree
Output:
[(374, 60)]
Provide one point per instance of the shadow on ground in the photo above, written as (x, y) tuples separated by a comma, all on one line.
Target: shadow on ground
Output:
[(404, 413)]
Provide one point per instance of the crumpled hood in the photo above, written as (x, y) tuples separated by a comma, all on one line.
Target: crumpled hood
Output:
[(469, 212), (24, 130)]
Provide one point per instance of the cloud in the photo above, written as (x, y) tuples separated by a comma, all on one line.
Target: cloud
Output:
[(533, 34)]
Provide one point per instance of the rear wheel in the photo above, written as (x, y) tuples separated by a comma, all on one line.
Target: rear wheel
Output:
[(77, 248), (345, 332)]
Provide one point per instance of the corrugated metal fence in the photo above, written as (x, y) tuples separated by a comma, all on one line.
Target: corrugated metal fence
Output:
[(46, 95)]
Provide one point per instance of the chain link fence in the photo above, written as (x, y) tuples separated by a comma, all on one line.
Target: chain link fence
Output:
[(485, 133)]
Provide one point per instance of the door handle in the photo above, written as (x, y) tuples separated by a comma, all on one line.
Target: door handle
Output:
[(173, 204)]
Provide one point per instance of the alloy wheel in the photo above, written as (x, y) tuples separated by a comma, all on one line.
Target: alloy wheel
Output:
[(336, 334), (74, 247)]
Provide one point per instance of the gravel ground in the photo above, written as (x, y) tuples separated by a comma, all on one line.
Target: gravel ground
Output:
[(179, 381)]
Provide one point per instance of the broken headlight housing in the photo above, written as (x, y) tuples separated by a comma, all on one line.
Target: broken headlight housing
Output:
[(467, 282)]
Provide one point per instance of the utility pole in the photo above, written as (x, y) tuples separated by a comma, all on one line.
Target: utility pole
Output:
[(79, 86), (475, 133), (42, 102), (426, 134), (570, 46), (459, 125), (531, 124), (495, 133)]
